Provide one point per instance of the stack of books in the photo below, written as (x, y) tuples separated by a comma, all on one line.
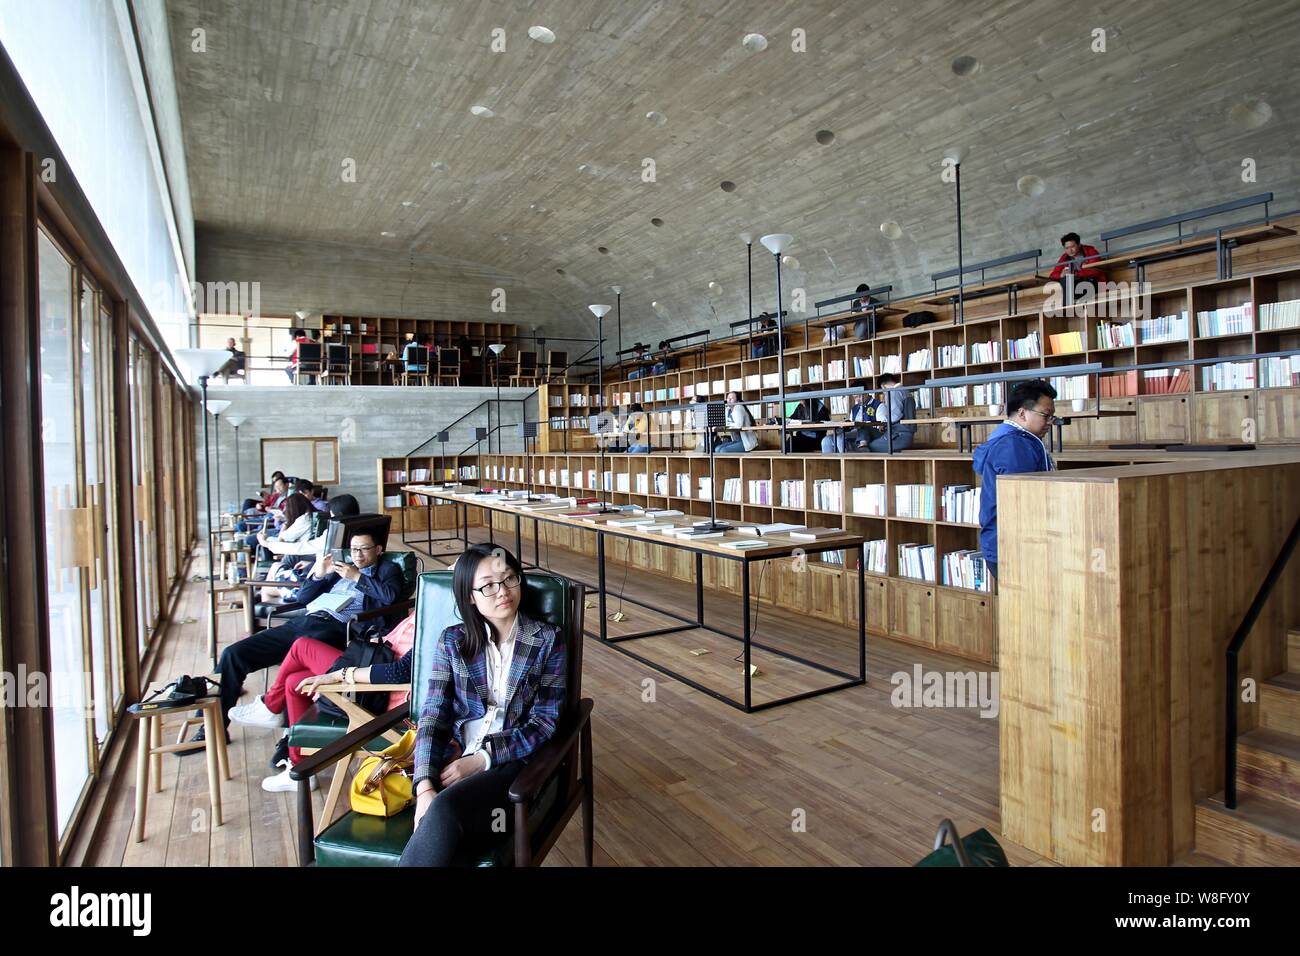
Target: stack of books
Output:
[(792, 493), (891, 363), (814, 374), (877, 556), (982, 353), (760, 491), (914, 501), (642, 483), (1229, 375), (1071, 387), (961, 503), (1279, 315), (952, 396), (661, 483), (1279, 371), (1163, 328), (950, 355), (918, 361), (683, 485), (706, 488), (1118, 384), (916, 561), (1064, 343), (1236, 320), (392, 501), (839, 404), (966, 569), (1023, 348), (868, 500), (1112, 335), (731, 490), (420, 474), (1164, 381), (828, 495), (395, 474), (992, 393), (863, 366), (835, 370)]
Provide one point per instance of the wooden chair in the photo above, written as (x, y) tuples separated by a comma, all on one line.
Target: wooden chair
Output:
[(526, 374), (549, 789), (449, 367), (310, 362), (415, 365), (557, 364), (338, 365)]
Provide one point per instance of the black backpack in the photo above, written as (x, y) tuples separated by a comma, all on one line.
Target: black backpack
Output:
[(365, 651), (913, 319)]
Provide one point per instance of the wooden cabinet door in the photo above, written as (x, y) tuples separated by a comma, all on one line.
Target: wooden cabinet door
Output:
[(1222, 416), (964, 624), (1164, 418), (911, 612)]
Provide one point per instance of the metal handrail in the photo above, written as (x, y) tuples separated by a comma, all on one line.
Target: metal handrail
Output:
[(1234, 648)]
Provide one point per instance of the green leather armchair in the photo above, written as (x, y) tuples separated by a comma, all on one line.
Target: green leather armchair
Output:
[(550, 788)]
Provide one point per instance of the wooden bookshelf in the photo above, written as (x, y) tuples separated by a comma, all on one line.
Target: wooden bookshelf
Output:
[(393, 473), (567, 410), (374, 338)]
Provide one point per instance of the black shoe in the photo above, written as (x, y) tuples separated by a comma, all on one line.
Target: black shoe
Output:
[(280, 759), (197, 738)]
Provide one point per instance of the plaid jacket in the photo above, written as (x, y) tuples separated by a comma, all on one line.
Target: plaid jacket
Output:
[(458, 693)]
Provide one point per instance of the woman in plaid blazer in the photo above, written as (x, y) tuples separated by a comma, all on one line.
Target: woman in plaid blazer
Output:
[(496, 689)]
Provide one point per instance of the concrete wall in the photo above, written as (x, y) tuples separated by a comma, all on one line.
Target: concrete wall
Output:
[(371, 422)]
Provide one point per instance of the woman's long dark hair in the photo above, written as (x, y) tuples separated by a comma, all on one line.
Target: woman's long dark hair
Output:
[(477, 627), (295, 506)]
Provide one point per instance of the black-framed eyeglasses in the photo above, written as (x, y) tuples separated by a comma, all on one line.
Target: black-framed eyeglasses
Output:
[(493, 588), (362, 548)]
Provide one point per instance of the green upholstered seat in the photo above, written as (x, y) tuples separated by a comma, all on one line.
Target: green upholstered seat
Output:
[(316, 729), (357, 839)]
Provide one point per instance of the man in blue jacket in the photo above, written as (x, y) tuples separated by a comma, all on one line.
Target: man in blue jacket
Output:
[(343, 590), (1015, 447)]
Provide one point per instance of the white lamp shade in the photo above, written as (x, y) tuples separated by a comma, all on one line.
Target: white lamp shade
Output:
[(200, 362), (599, 311), (497, 347), (616, 289), (217, 405), (747, 238), (236, 420), (776, 242), (303, 314), (955, 154)]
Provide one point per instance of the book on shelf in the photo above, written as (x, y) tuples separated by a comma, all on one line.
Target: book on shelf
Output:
[(1227, 376), (828, 494), (772, 380), (661, 483), (916, 561), (981, 353), (863, 366), (1163, 328), (1118, 384), (835, 558), (815, 534), (753, 383), (952, 396), (877, 556), (1165, 381), (792, 376), (918, 361), (1069, 387), (1279, 371), (869, 500), (642, 483), (839, 404), (392, 501), (776, 527), (1063, 343), (421, 474), (961, 503), (760, 491), (735, 384), (1234, 320), (951, 355), (892, 364), (731, 490), (1114, 335), (914, 501), (624, 481), (835, 370), (395, 475), (1023, 348), (743, 544), (683, 485), (966, 569), (1279, 315), (706, 488), (792, 493), (990, 393)]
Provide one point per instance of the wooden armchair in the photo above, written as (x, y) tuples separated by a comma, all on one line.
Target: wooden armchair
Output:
[(449, 367), (550, 788), (526, 373)]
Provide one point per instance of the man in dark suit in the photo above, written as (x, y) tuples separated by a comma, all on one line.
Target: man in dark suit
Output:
[(343, 590)]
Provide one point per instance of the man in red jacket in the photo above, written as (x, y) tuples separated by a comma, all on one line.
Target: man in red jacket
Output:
[(1072, 259)]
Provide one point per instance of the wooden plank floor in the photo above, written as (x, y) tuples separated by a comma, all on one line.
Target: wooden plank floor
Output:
[(682, 779)]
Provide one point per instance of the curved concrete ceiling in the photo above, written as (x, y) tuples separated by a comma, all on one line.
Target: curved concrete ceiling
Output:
[(289, 94)]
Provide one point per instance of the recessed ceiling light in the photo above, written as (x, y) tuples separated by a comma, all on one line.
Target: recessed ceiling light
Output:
[(714, 287), (754, 42), (482, 111), (965, 65), (790, 262), (407, 202), (602, 250), (890, 229), (541, 35), (438, 166), (387, 233), (1030, 186), (656, 117), (656, 221), (728, 186), (825, 137), (1250, 113)]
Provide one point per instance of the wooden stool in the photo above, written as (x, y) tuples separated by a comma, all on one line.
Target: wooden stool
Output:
[(151, 748)]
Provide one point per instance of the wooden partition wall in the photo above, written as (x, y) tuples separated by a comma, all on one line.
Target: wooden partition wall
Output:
[(1120, 590)]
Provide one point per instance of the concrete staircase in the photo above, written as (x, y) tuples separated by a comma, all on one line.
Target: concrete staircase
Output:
[(1264, 829)]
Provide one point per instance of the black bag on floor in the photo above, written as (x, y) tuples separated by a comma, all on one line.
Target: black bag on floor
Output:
[(913, 319), (363, 652)]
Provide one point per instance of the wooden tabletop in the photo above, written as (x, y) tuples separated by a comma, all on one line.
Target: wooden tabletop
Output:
[(1245, 234), (944, 296), (782, 545), (1063, 414)]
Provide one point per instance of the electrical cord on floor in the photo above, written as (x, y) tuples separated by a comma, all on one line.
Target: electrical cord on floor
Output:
[(753, 629), (627, 566)]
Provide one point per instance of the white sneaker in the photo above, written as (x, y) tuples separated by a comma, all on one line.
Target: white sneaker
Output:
[(282, 783), (256, 714)]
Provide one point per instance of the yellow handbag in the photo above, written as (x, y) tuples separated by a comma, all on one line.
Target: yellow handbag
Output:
[(382, 787)]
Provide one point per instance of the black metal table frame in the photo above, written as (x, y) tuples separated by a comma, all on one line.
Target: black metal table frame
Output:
[(698, 623)]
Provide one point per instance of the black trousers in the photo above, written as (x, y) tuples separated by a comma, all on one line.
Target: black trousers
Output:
[(270, 647), (470, 812)]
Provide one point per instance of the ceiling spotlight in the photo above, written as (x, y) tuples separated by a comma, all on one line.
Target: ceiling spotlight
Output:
[(387, 233), (482, 111), (890, 229), (790, 262), (408, 203), (825, 137), (714, 287), (438, 166), (541, 34), (1030, 186), (754, 42), (965, 65), (656, 117)]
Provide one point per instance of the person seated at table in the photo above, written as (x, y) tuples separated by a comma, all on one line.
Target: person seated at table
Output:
[(300, 337), (253, 506), (320, 498), (738, 418), (235, 364), (862, 327), (471, 745), (809, 410), (306, 668), (408, 353), (269, 504), (899, 404), (343, 590), (853, 439), (1073, 260), (637, 429), (766, 342)]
